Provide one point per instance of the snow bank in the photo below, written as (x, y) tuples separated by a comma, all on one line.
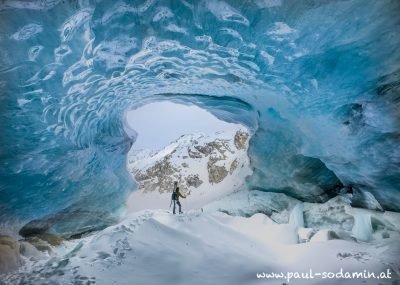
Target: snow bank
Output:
[(156, 247)]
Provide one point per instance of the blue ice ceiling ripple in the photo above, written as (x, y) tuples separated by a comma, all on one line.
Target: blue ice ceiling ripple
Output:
[(321, 78)]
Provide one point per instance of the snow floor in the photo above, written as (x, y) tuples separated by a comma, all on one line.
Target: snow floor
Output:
[(198, 247)]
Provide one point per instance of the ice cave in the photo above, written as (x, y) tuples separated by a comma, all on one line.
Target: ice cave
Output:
[(279, 120)]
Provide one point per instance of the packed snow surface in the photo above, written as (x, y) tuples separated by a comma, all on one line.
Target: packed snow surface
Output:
[(156, 247)]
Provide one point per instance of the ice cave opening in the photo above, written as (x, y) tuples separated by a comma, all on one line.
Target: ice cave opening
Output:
[(157, 124), (315, 83), (173, 141)]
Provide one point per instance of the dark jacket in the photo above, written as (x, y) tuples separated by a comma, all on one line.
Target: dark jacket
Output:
[(179, 194)]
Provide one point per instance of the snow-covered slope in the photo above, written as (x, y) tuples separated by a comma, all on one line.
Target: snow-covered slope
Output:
[(207, 167), (153, 247)]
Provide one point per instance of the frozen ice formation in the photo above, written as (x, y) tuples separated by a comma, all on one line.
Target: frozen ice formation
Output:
[(316, 84)]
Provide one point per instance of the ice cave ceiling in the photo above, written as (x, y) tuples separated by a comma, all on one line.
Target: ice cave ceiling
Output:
[(316, 81)]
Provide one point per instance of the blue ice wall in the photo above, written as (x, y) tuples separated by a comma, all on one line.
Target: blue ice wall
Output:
[(320, 77)]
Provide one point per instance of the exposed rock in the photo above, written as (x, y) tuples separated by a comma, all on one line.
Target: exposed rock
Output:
[(194, 154), (9, 254), (241, 139), (193, 180), (216, 173), (217, 148), (206, 149), (233, 167), (190, 160), (157, 177)]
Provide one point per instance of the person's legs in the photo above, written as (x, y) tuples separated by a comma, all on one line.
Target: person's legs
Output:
[(174, 207), (180, 206)]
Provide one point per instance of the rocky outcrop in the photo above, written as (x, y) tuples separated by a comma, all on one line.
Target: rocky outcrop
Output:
[(216, 173), (159, 177), (218, 146), (241, 139), (233, 167), (193, 180), (194, 154), (9, 254), (188, 159)]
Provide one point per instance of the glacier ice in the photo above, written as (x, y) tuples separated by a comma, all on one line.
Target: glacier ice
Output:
[(316, 81), (362, 229), (296, 218)]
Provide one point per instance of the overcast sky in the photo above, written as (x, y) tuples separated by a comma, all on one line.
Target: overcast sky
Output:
[(160, 123)]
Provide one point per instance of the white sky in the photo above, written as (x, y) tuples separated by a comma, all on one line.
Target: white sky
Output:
[(160, 123)]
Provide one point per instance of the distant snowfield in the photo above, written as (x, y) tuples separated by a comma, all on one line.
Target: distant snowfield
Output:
[(158, 124)]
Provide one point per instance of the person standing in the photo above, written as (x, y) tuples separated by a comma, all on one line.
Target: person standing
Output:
[(175, 198)]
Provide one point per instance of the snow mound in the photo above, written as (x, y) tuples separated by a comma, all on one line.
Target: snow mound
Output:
[(156, 247)]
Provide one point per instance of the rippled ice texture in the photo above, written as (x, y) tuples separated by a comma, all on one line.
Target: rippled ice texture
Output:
[(318, 82)]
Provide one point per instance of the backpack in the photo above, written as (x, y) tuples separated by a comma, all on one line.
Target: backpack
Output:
[(173, 197)]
